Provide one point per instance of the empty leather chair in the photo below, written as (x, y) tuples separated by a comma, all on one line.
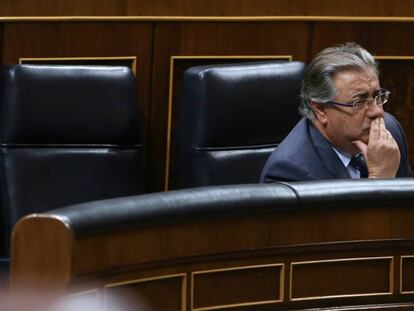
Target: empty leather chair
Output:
[(231, 118), (68, 134)]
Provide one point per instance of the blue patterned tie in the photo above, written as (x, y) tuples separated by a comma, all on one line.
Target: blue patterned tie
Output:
[(358, 163)]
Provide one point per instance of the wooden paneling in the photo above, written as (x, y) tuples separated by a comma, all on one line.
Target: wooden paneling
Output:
[(62, 7), (148, 292), (407, 274), (41, 40), (342, 277), (248, 285), (210, 39), (262, 231), (203, 7), (269, 7), (397, 76), (378, 38)]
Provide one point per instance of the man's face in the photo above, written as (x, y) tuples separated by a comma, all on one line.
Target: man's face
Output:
[(342, 125)]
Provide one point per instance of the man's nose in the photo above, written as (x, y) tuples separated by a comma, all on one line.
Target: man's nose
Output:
[(375, 111)]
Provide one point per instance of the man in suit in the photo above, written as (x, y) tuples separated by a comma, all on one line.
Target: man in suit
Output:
[(344, 132)]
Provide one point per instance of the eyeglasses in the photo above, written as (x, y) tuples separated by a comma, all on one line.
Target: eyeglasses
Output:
[(379, 100)]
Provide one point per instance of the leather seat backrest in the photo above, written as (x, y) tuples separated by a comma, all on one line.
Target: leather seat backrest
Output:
[(68, 134), (232, 117)]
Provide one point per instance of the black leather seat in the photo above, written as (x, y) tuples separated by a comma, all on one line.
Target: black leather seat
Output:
[(69, 134), (231, 118)]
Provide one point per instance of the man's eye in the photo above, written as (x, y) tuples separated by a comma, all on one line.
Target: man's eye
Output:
[(359, 102)]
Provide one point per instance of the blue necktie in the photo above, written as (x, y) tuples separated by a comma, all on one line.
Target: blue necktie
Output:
[(358, 163)]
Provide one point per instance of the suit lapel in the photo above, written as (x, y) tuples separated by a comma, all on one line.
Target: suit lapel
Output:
[(334, 166)]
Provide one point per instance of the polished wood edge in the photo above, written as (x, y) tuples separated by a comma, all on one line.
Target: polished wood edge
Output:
[(173, 58), (85, 292), (133, 59), (392, 57), (27, 256), (391, 277), (281, 289), (184, 293), (169, 124), (41, 217), (380, 307), (253, 57), (403, 292), (310, 18), (281, 265), (235, 305), (183, 277), (149, 279)]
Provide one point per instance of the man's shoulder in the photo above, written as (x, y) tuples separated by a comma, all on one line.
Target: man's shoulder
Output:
[(294, 156), (298, 136), (391, 121)]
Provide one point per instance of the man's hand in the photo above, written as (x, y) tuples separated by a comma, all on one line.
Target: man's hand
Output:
[(381, 154)]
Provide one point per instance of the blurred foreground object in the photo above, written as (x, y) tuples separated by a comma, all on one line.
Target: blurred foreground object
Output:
[(42, 301)]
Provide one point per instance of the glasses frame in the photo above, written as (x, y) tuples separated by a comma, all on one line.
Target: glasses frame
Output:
[(354, 104)]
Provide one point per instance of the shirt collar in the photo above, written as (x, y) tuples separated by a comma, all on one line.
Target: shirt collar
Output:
[(345, 158)]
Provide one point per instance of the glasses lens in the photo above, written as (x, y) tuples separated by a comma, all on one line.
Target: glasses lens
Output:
[(360, 103), (382, 98)]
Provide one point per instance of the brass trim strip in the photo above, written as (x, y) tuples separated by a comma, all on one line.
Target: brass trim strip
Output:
[(169, 123), (394, 57), (154, 278), (85, 292), (391, 277), (245, 304), (183, 277), (281, 287), (238, 268), (170, 94), (172, 18), (270, 57), (402, 292), (45, 59)]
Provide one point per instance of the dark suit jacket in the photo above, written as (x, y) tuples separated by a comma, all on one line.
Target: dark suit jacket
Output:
[(306, 155)]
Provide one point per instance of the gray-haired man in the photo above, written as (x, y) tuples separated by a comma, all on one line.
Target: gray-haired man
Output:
[(345, 132)]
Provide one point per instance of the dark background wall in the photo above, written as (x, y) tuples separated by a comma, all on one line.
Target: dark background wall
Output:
[(166, 37)]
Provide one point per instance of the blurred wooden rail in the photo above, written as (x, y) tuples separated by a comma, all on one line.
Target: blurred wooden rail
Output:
[(268, 247)]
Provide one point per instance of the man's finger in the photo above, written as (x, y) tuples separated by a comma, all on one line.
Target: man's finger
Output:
[(382, 129), (361, 146), (374, 131), (389, 135)]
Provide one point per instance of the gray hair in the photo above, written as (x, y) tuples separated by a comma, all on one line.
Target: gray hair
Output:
[(318, 83)]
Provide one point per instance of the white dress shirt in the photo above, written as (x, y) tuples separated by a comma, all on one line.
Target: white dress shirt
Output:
[(346, 158)]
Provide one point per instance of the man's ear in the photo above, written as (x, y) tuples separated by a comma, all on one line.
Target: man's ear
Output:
[(320, 112)]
